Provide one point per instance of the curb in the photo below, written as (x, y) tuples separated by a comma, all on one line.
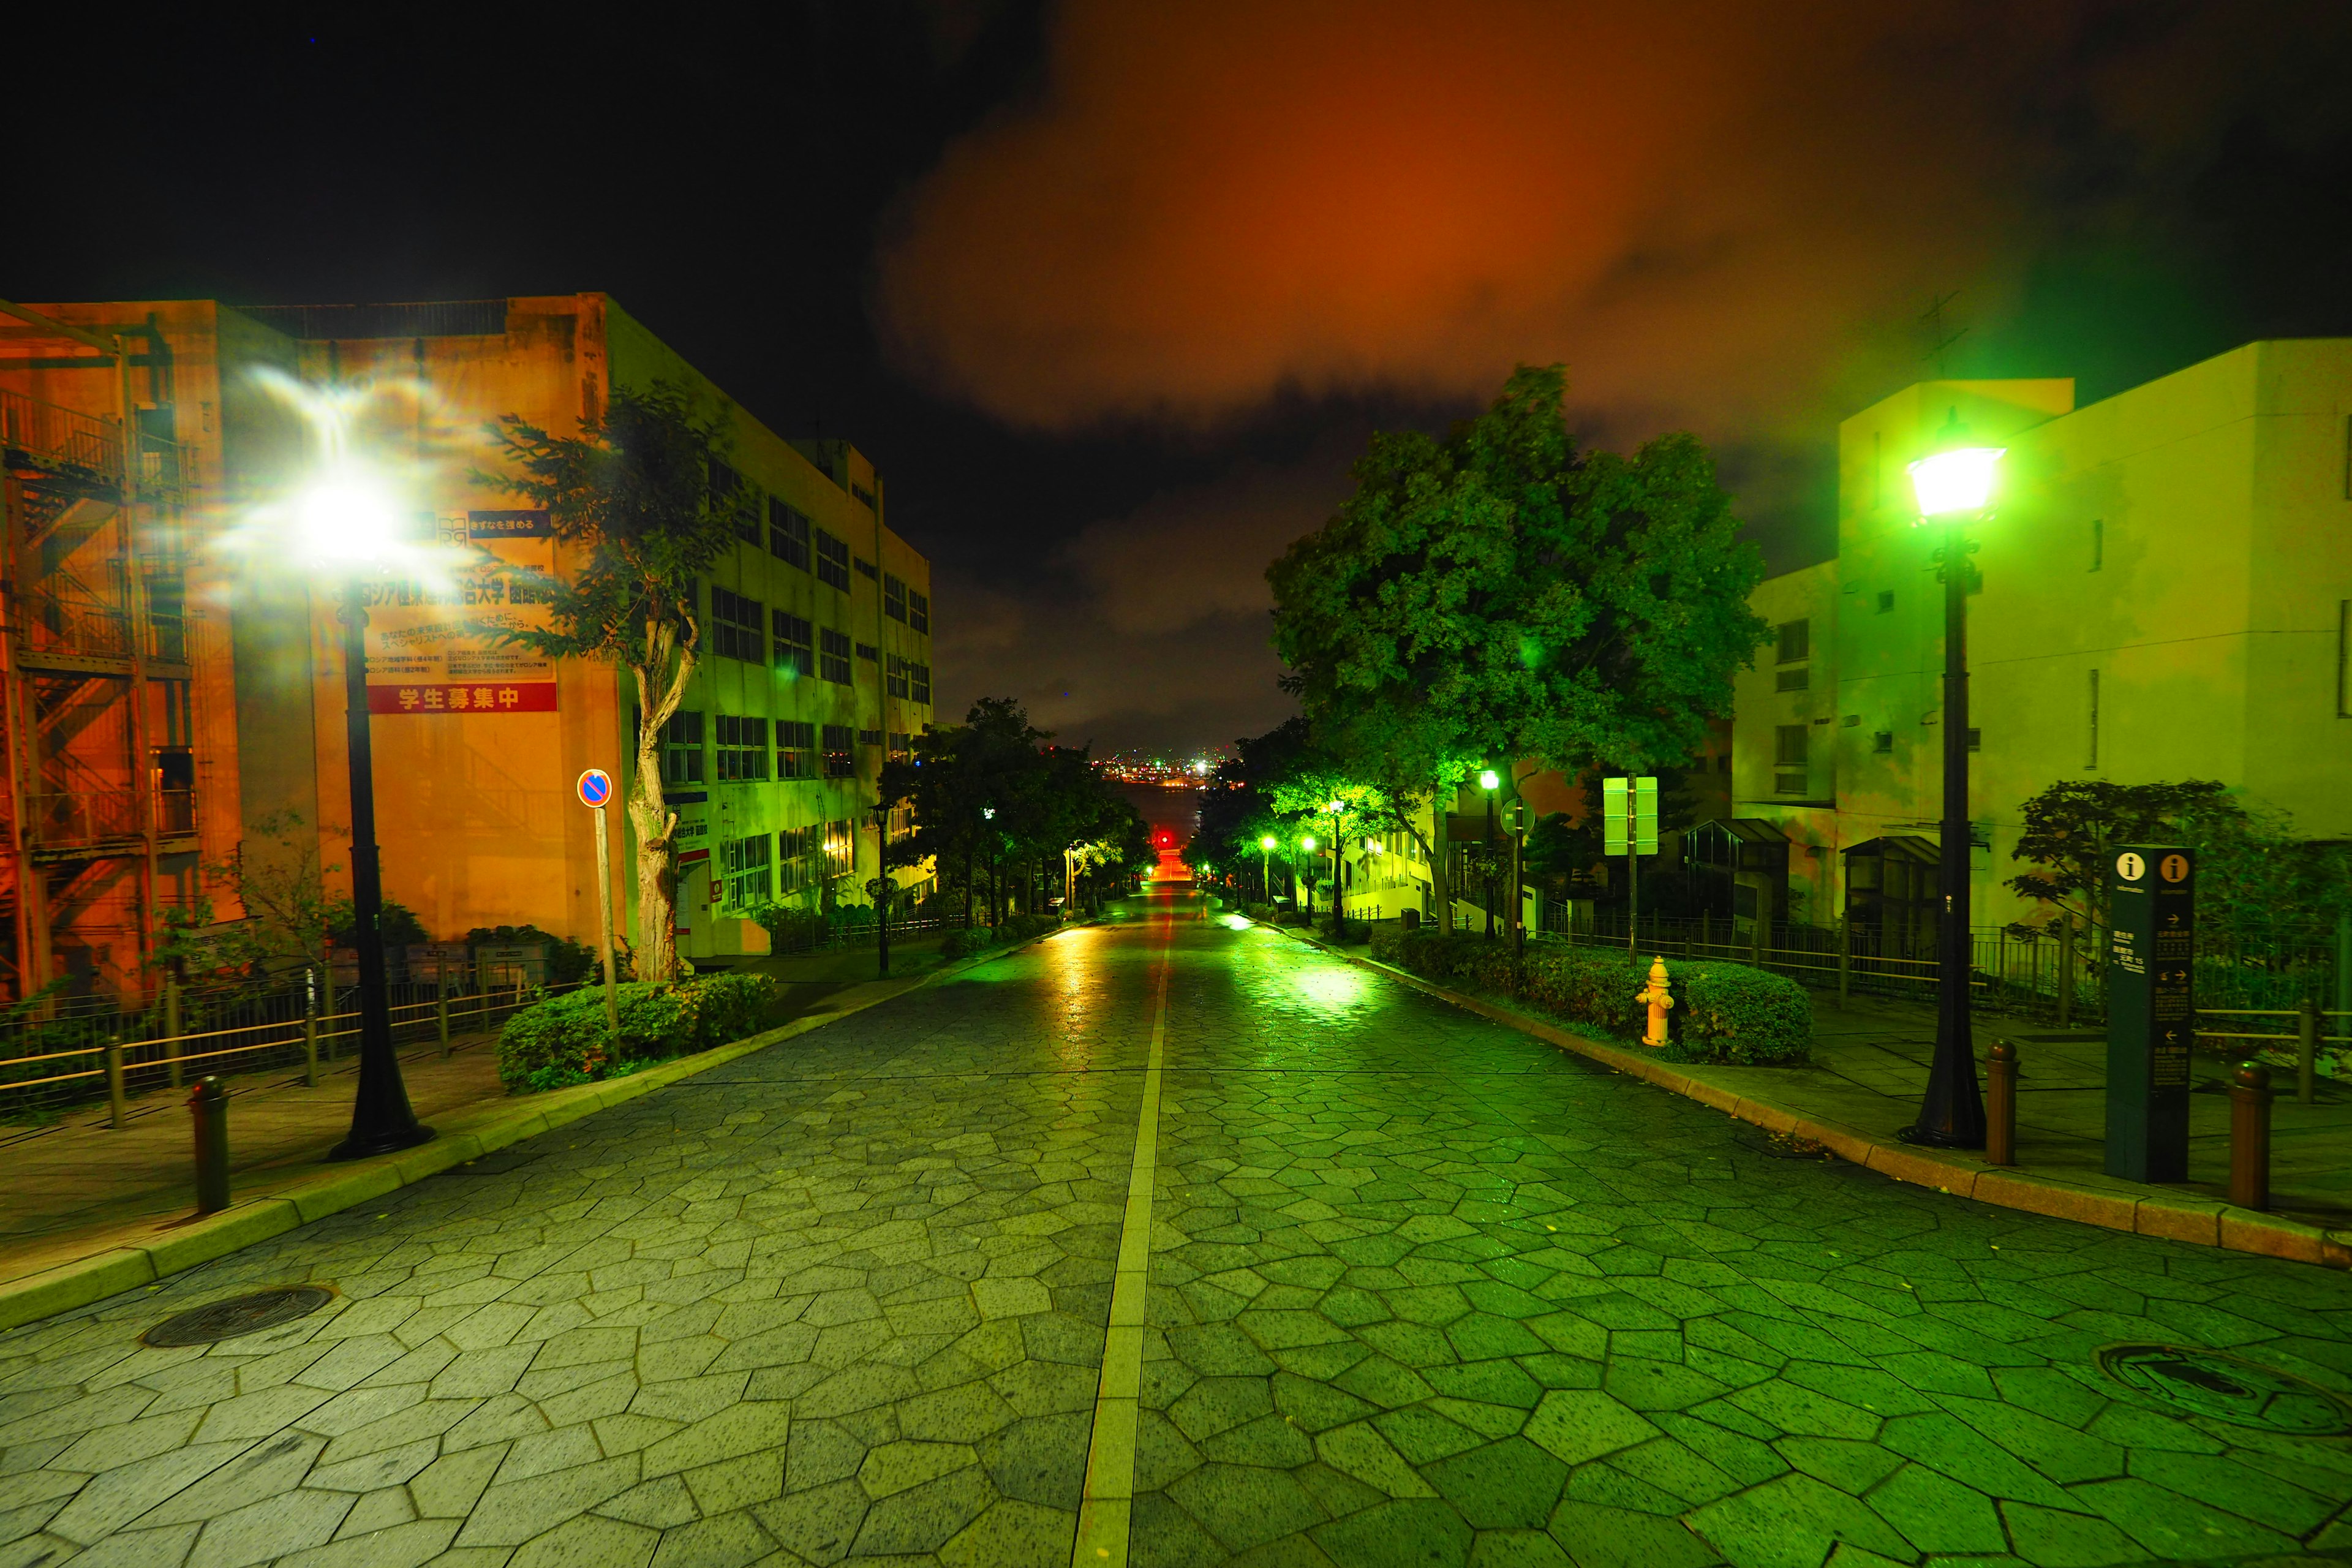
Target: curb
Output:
[(464, 1136), (2173, 1217)]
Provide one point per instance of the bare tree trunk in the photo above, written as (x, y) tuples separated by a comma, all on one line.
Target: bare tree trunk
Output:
[(650, 817)]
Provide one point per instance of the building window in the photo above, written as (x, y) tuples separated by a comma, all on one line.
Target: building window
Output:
[(1789, 753), (901, 744), (865, 569), (840, 761), (681, 749), (833, 656), (1885, 601), (1883, 742), (2098, 544), (727, 497), (831, 560), (893, 598), (794, 654), (743, 747), (918, 611), (795, 749), (919, 682), (738, 626), (1796, 679), (2092, 758), (894, 675), (1796, 641), (797, 849), (750, 879), (868, 652), (840, 848), (870, 737), (1976, 739), (788, 534)]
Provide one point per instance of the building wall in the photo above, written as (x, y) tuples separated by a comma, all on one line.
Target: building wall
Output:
[(2180, 548)]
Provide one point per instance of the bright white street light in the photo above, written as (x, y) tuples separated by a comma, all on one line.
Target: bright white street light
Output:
[(1307, 843), (346, 521), (1959, 480), (1490, 779)]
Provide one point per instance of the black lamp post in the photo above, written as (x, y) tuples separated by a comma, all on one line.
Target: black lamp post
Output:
[(381, 1121), (1954, 486)]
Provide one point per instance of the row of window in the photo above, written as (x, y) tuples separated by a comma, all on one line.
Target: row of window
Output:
[(1792, 751), (739, 750), (901, 603), (762, 868), (792, 538), (743, 628)]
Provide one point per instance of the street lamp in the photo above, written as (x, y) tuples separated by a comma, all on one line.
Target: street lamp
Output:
[(1953, 485), (1266, 867), (347, 528)]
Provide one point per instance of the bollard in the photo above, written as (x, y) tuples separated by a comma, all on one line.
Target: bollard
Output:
[(172, 1026), (311, 1050), (209, 1106), (441, 1018), (2001, 1105), (114, 1082), (2306, 1052), (2249, 1137)]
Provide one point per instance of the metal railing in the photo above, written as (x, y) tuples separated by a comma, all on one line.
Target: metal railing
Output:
[(54, 1064), (66, 819), (51, 436)]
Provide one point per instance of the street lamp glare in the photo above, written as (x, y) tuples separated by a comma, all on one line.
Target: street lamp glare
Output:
[(344, 521), (1956, 481), (1266, 843), (1307, 843), (1489, 779)]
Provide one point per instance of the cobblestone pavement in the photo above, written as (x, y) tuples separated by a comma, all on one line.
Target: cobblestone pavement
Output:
[(1421, 1291)]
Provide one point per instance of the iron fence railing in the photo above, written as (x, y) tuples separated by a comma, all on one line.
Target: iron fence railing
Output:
[(47, 1064), (820, 935), (2010, 969), (51, 436)]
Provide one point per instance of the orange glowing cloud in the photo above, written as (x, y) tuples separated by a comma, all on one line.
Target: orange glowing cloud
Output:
[(1709, 209)]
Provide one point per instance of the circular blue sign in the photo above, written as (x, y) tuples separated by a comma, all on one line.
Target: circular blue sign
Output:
[(596, 787)]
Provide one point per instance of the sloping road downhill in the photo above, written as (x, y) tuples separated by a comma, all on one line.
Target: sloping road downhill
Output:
[(1400, 1287)]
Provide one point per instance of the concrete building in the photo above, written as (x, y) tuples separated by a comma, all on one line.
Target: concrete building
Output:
[(816, 658), (2166, 594)]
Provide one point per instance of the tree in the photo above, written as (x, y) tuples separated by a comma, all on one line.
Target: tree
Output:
[(2069, 828), (644, 490), (1500, 595)]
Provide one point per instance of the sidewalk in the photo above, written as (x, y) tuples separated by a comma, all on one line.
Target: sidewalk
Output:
[(1869, 1069)]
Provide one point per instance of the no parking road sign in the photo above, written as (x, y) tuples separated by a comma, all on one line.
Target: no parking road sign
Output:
[(596, 787)]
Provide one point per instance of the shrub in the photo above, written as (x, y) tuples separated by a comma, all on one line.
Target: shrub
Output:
[(1723, 1012), (1261, 913), (563, 1040), (964, 943)]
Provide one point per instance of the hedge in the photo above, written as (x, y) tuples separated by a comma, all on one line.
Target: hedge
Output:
[(1723, 1012), (563, 1041), (978, 939)]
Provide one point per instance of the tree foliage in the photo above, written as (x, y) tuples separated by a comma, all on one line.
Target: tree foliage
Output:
[(643, 498), (1501, 594)]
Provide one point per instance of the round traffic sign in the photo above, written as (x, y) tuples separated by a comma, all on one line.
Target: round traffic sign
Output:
[(2130, 867), (596, 787)]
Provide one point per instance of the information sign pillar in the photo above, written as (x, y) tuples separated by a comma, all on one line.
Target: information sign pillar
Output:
[(2151, 1010)]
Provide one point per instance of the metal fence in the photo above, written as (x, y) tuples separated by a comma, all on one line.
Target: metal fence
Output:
[(2275, 975), (75, 1057)]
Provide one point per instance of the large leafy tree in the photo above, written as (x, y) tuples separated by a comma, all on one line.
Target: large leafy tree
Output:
[(640, 495), (1501, 594)]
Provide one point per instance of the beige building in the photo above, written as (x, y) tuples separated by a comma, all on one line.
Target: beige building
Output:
[(815, 661), (2167, 595)]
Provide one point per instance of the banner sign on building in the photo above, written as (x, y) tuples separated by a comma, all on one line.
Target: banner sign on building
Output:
[(433, 647), (2151, 1010)]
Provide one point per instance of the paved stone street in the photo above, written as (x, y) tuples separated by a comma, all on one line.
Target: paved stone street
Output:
[(1420, 1289)]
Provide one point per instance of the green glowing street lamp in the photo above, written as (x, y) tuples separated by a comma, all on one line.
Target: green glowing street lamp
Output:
[(1266, 867), (1953, 485)]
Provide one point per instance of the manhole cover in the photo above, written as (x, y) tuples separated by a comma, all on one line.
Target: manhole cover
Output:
[(2242, 1393), (237, 1315)]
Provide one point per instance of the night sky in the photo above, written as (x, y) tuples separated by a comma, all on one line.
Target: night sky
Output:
[(1113, 292)]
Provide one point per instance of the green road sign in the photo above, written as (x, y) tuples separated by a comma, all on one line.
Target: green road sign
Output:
[(1629, 816)]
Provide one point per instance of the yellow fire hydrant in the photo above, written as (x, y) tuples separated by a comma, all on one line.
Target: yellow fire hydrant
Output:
[(1658, 999)]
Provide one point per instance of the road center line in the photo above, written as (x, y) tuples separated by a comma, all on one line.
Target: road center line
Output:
[(1106, 1507)]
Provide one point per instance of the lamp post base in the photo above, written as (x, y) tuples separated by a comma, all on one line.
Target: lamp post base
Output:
[(390, 1140), (1937, 1138)]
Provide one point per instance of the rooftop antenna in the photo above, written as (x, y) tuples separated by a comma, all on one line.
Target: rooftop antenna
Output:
[(1943, 338)]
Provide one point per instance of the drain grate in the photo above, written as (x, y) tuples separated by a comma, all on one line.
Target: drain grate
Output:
[(2225, 1388), (237, 1315)]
